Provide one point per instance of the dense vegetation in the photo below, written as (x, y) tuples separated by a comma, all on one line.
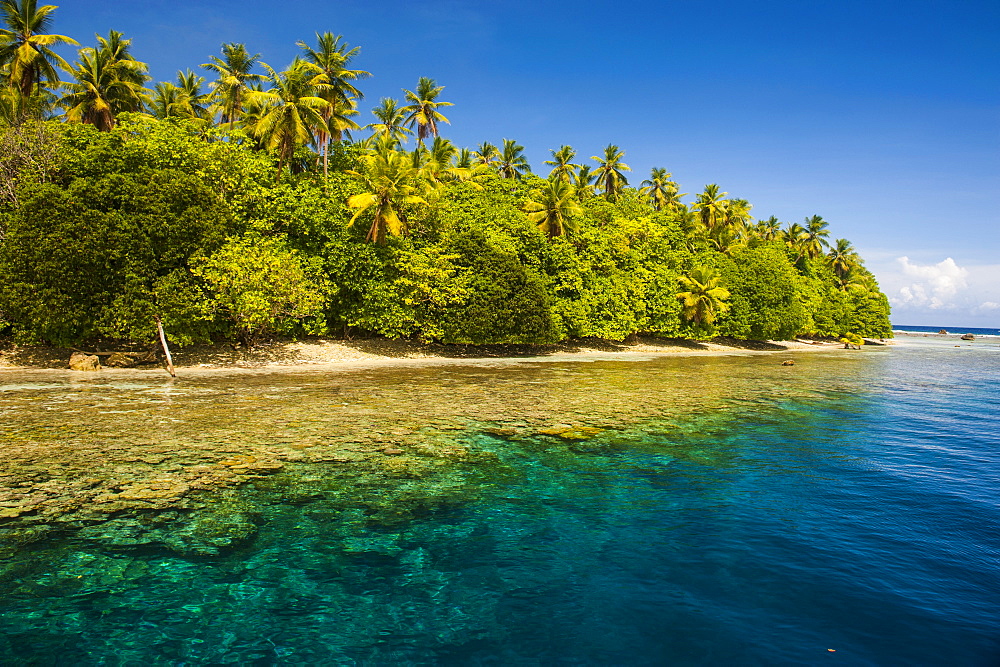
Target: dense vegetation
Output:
[(255, 204)]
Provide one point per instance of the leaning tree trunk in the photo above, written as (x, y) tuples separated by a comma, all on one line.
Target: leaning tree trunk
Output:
[(166, 350)]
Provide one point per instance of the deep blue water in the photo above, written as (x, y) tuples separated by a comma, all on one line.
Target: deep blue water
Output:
[(977, 331), (843, 512)]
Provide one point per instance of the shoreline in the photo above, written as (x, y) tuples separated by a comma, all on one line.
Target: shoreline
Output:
[(320, 354)]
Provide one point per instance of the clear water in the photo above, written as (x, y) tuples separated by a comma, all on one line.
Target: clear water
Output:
[(711, 510)]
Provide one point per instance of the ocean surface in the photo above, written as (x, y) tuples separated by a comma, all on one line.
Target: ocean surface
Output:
[(976, 331), (682, 511)]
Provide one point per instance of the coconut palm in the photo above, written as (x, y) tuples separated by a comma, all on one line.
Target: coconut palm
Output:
[(843, 257), (107, 81), (422, 112), (738, 215), (711, 205), (294, 109), (794, 238), (438, 163), (194, 102), (15, 108), (166, 101), (690, 223), (703, 298), (25, 54), (554, 208), (390, 183), (660, 190), (340, 122), (235, 76), (768, 230), (512, 163), (486, 154), (816, 232), (392, 121), (724, 238), (608, 175), (562, 164), (583, 182), (332, 56)]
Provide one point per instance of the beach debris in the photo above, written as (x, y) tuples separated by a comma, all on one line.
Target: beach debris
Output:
[(787, 362), (79, 361)]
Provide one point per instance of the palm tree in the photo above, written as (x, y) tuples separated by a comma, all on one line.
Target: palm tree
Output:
[(438, 165), (340, 121), (723, 238), (583, 181), (423, 108), (294, 109), (660, 190), (332, 57), (108, 81), (562, 164), (768, 230), (166, 101), (25, 54), (690, 223), (234, 78), (390, 181), (843, 258), (392, 121), (794, 237), (15, 108), (464, 159), (555, 209), (814, 240), (738, 215), (486, 154), (711, 205), (704, 299), (609, 176), (195, 103), (512, 163)]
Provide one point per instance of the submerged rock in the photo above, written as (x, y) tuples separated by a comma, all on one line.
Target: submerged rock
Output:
[(78, 361), (788, 362)]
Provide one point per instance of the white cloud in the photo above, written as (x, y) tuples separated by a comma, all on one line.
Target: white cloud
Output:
[(930, 286), (924, 289)]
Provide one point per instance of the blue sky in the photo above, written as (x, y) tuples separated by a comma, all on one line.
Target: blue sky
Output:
[(883, 117)]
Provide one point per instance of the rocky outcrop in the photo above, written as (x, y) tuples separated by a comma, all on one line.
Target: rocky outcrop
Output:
[(122, 360), (79, 361), (968, 337)]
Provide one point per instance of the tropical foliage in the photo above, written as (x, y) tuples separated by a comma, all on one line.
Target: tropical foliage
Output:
[(253, 204)]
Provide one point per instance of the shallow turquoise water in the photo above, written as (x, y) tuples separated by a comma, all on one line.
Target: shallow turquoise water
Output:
[(736, 512)]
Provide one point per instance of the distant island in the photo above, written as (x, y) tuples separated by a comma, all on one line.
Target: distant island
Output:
[(250, 202)]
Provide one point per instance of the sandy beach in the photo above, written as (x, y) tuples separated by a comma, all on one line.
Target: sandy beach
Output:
[(341, 354)]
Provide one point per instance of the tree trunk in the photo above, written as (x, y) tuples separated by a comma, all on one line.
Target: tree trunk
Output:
[(166, 350)]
